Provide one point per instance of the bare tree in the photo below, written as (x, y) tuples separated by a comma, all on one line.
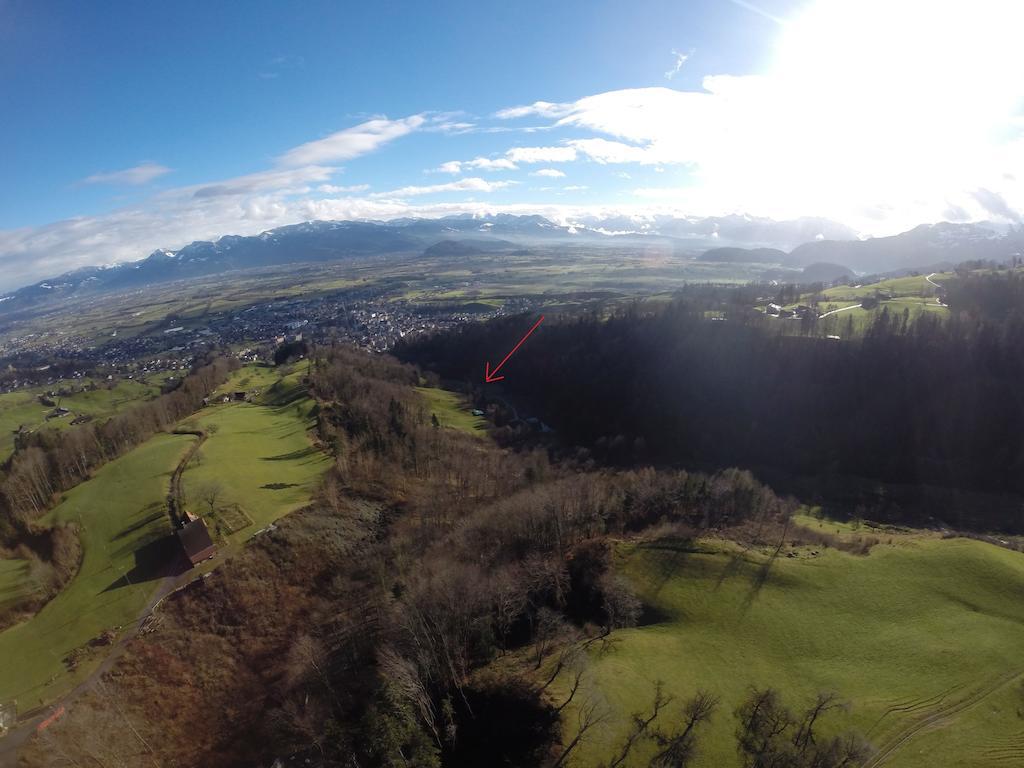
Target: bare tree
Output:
[(678, 749), (547, 626), (804, 737), (621, 606), (210, 494), (590, 714), (640, 723)]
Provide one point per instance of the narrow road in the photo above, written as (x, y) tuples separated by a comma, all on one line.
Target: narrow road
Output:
[(175, 499), (841, 309)]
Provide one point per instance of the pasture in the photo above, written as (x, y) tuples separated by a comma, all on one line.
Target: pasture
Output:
[(16, 582), (260, 456), (922, 637), (453, 411), (121, 518)]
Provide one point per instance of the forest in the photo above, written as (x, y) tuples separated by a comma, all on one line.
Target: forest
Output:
[(873, 425)]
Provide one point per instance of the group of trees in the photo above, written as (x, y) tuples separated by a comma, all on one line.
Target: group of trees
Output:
[(914, 402), (48, 462)]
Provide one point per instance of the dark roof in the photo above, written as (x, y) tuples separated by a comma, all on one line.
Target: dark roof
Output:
[(195, 539)]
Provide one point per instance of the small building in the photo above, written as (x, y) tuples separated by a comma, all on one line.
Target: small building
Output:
[(195, 540), (241, 397)]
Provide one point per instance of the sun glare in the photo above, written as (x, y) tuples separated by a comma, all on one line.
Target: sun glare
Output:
[(917, 94)]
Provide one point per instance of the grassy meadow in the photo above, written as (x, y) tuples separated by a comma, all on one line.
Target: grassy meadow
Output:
[(260, 454), (16, 582), (453, 411), (121, 513), (922, 636)]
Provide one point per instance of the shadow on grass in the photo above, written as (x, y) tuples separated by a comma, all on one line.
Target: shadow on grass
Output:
[(153, 512), (302, 453), (673, 554), (155, 559), (278, 486)]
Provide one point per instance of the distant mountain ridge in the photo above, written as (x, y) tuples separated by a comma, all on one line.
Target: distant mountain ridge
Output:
[(926, 245), (749, 239), (322, 241)]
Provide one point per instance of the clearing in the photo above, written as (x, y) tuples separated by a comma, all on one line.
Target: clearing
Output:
[(453, 411)]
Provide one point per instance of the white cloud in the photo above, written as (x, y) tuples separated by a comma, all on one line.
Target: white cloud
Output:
[(351, 142), (604, 151), (679, 60), (541, 154), (331, 189), (551, 173), (473, 184), (285, 181), (537, 109), (574, 188), (479, 163), (139, 174)]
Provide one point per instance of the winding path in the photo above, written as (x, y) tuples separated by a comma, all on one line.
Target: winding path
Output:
[(175, 499)]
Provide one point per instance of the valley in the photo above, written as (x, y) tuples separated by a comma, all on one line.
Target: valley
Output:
[(550, 569)]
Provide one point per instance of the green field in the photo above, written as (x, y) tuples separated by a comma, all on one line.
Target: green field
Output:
[(120, 512), (23, 407), (260, 455), (920, 632), (15, 582), (453, 411), (913, 294)]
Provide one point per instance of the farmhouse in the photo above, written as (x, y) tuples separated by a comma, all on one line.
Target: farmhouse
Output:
[(195, 540)]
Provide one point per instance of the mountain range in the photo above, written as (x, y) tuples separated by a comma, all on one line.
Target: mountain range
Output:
[(794, 244)]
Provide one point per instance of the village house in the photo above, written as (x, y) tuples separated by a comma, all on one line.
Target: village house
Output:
[(195, 540)]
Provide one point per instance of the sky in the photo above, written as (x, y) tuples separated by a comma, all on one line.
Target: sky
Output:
[(127, 127)]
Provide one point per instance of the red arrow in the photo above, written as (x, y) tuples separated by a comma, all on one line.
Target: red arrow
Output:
[(490, 376)]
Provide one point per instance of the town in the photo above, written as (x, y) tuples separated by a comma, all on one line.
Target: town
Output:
[(367, 318)]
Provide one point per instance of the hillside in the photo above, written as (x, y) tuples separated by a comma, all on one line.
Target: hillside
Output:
[(917, 629)]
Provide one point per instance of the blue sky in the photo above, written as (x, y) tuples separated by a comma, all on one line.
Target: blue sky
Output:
[(132, 126)]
